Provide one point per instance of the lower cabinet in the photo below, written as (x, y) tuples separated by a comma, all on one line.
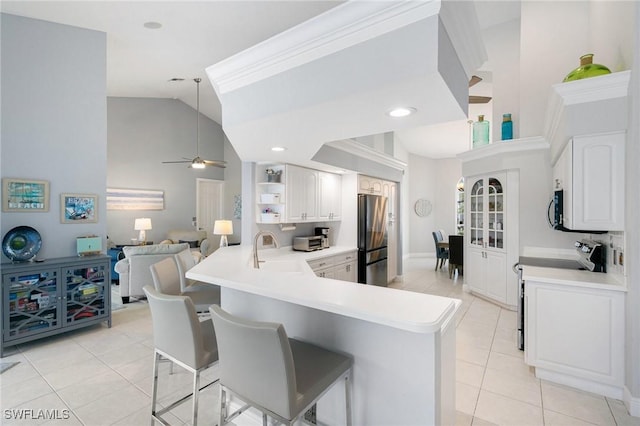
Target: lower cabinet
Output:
[(575, 336), (340, 267), (57, 295), (485, 274)]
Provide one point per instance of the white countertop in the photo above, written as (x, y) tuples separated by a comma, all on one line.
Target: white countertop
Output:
[(572, 277), (290, 279)]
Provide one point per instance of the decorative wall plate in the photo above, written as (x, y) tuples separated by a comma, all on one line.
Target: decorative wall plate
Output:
[(21, 243), (423, 207)]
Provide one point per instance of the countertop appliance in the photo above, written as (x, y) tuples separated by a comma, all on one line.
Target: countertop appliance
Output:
[(557, 221), (311, 243), (591, 257), (324, 233), (372, 239)]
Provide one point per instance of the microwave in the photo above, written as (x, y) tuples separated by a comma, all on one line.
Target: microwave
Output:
[(557, 221), (308, 243)]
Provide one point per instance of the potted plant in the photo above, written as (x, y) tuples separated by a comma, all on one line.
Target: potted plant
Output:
[(273, 175)]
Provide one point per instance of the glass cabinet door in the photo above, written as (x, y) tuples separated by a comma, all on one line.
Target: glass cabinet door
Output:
[(32, 303), (86, 290), (496, 214), (487, 213), (476, 213)]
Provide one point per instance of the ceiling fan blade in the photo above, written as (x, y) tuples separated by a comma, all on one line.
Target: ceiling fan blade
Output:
[(479, 99), (474, 80), (180, 161), (218, 163)]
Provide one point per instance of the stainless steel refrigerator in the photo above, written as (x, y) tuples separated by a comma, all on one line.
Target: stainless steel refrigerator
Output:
[(372, 239)]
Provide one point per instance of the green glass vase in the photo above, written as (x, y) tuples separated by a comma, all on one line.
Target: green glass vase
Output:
[(586, 69)]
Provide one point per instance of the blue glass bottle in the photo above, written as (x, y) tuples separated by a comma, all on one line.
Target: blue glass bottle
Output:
[(507, 127)]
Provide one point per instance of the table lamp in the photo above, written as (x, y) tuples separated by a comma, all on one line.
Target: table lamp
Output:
[(223, 228), (142, 224)]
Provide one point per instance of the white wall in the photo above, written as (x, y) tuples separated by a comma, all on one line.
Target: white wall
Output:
[(434, 180), (144, 132), (632, 231), (54, 122)]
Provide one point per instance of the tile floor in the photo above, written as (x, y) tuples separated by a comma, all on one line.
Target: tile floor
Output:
[(101, 376)]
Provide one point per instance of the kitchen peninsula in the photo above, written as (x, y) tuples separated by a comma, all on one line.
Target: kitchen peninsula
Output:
[(403, 343)]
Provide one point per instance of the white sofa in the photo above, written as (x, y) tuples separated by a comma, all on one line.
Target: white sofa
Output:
[(197, 239), (134, 268)]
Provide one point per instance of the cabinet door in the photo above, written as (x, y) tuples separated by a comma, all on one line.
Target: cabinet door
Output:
[(475, 208), (474, 266), (495, 275), (389, 191), (86, 293), (329, 196), (598, 183), (302, 193), (31, 303), (346, 272), (369, 185), (574, 330)]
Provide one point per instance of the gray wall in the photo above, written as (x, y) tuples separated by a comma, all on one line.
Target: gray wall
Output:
[(232, 188), (54, 122), (144, 132)]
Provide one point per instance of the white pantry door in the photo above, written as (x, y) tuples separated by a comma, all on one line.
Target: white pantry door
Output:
[(209, 204)]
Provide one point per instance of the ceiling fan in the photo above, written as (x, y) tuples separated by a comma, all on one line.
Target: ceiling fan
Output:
[(197, 162), (477, 99)]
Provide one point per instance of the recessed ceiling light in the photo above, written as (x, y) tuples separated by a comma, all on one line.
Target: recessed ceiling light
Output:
[(175, 79), (152, 25), (401, 112), (278, 148)]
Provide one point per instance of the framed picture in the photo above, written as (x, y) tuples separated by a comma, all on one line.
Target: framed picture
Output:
[(78, 208), (134, 199), (24, 195)]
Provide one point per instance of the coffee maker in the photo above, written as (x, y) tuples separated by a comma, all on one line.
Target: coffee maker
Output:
[(325, 235)]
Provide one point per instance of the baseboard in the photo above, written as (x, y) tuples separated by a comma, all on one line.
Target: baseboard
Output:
[(632, 402)]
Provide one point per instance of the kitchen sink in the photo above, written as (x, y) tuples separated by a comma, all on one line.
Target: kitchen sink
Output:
[(284, 266)]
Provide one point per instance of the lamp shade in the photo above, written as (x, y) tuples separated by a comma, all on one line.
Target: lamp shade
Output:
[(223, 227), (142, 224)]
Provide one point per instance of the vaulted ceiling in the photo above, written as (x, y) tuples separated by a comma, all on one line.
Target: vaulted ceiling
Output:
[(194, 35)]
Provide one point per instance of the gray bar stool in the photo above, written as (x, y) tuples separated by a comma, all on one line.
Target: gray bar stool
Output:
[(166, 280), (180, 337), (185, 261), (281, 377)]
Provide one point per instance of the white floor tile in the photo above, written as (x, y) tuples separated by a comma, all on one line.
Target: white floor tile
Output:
[(525, 389), (92, 388), (23, 392), (621, 414), (463, 419), (466, 398), (468, 373), (113, 407), (551, 418), (501, 410), (510, 364), (574, 403)]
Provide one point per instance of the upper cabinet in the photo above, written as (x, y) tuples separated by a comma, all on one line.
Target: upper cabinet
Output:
[(293, 194), (302, 194), (329, 196), (590, 173)]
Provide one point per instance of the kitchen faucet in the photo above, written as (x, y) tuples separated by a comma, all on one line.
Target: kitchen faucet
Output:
[(256, 261)]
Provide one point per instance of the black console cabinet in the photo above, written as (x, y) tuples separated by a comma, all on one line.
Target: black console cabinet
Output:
[(40, 299)]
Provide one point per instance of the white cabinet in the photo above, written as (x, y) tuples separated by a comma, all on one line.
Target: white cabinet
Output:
[(486, 232), (340, 266), (369, 185), (302, 194), (575, 335), (590, 171), (329, 196), (312, 195), (389, 191)]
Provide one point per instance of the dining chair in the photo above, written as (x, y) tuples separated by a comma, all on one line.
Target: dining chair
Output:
[(281, 377), (442, 252), (181, 338), (456, 254)]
